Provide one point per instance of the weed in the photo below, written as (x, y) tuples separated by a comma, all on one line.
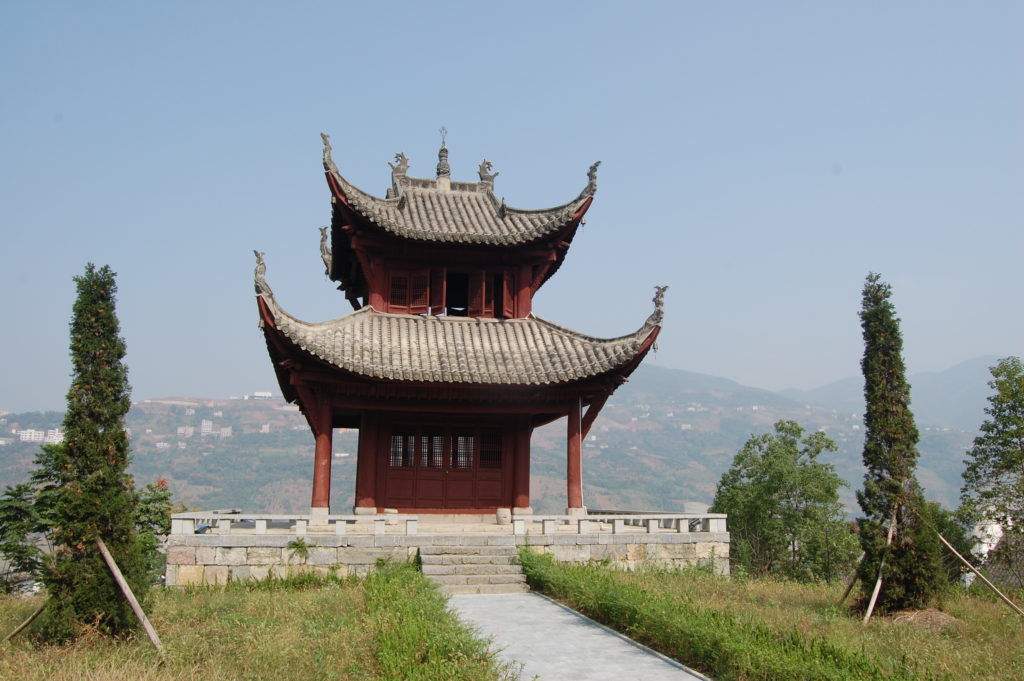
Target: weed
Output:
[(299, 548)]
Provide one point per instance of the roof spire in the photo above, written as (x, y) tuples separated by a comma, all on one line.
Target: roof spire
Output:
[(443, 169)]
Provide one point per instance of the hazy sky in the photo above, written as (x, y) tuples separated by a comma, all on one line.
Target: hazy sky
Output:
[(759, 158)]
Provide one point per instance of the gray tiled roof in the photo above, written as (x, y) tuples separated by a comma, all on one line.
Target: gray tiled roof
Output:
[(401, 347), (456, 212)]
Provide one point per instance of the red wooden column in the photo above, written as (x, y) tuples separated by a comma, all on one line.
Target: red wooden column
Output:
[(574, 461), (366, 468), (323, 430), (521, 471)]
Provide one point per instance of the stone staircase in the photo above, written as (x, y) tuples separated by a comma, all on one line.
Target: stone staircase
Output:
[(472, 569)]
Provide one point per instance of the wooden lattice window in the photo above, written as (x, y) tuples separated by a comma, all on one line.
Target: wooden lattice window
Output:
[(409, 292), (490, 448), (432, 450), (403, 450), (463, 445), (478, 295), (399, 295), (437, 290)]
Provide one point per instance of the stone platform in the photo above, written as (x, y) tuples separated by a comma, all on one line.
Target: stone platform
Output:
[(213, 548)]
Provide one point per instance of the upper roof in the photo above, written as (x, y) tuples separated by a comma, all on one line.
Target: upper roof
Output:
[(400, 347), (440, 210)]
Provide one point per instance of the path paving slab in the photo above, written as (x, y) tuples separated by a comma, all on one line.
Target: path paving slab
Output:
[(555, 643)]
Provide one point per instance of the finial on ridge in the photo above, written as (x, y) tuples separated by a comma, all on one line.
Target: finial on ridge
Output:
[(401, 164), (484, 171)]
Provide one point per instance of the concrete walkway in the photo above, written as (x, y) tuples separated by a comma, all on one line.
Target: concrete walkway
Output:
[(555, 643)]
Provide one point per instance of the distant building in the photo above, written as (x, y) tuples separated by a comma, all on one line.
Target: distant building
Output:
[(262, 395), (186, 431), (54, 436), (205, 427), (264, 427), (226, 431), (31, 435), (163, 445)]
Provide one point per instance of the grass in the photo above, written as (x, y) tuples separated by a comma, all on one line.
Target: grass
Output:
[(392, 625), (774, 630)]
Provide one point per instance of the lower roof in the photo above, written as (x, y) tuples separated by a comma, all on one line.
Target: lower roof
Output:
[(458, 350)]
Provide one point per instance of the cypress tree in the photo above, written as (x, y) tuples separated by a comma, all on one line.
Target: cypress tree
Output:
[(94, 496), (911, 566)]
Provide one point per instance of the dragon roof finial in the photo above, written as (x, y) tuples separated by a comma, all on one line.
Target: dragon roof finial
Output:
[(592, 178), (262, 289), (659, 304), (484, 171)]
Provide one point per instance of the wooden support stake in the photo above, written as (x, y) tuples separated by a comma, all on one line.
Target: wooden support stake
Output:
[(881, 564), (983, 578), (127, 591), (853, 579), (23, 625)]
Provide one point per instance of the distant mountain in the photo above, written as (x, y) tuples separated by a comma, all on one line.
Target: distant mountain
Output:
[(954, 398), (663, 440)]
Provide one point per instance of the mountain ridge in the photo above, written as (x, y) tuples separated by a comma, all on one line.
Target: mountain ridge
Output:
[(663, 440)]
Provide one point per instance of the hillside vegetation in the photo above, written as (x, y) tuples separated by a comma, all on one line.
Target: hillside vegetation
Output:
[(664, 439)]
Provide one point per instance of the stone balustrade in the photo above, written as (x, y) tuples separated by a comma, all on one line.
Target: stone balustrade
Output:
[(620, 523), (230, 522)]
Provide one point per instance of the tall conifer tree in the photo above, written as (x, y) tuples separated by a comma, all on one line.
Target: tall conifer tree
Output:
[(95, 498), (911, 564)]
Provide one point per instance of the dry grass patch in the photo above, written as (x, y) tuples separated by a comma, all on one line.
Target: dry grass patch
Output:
[(393, 625), (213, 634)]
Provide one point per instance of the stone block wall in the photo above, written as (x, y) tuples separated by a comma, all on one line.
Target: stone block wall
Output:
[(197, 559), (633, 551)]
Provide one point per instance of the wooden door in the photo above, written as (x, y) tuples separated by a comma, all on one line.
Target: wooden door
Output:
[(458, 468)]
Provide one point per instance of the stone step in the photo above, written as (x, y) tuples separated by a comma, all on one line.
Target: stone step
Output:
[(459, 559), (468, 549), (471, 569), (444, 580), (452, 589)]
